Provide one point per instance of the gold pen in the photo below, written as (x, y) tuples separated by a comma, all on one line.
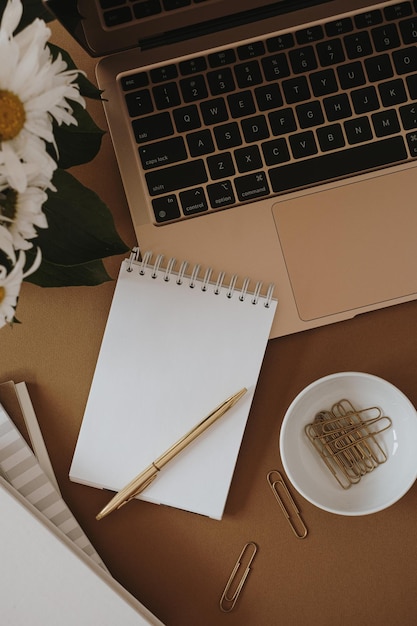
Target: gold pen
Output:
[(139, 483)]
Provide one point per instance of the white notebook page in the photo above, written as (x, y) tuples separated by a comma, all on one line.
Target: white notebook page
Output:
[(169, 356)]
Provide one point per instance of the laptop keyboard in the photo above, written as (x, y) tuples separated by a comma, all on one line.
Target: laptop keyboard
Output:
[(277, 115)]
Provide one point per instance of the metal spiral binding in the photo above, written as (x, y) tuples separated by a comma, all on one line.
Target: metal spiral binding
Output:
[(155, 267)]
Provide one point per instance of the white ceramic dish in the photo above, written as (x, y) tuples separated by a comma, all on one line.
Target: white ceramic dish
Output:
[(376, 490)]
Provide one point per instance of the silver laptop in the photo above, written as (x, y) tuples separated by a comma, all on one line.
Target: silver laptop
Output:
[(273, 140)]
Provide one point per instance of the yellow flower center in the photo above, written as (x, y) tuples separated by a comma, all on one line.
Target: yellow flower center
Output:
[(12, 115), (2, 294)]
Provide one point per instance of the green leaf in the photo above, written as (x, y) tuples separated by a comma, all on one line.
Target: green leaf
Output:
[(77, 144), (80, 225), (55, 275), (80, 234)]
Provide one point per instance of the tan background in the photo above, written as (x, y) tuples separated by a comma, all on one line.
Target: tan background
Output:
[(348, 570)]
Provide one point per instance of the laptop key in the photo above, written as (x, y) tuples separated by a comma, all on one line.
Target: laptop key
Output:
[(162, 153), (193, 66), (200, 142), (116, 17), (251, 50), (303, 60), (351, 75), (408, 30), (109, 4), (392, 92), (139, 103), (385, 37), (255, 128), (282, 42), (365, 100), (412, 86), (228, 136), (412, 143), (193, 201), (146, 9), (358, 130), (379, 68), (307, 35), (358, 45), (296, 89), (166, 96), (303, 144), (275, 67), (338, 164), (152, 127), (248, 159), (221, 194), (386, 123), (187, 118), (337, 107), (166, 208), (330, 137), (370, 18), (189, 174), (193, 88), (310, 114), (171, 5), (224, 57), (330, 52), (405, 60), (248, 74), (324, 82), (268, 97), (241, 104), (282, 121), (275, 151), (409, 116), (252, 186), (221, 165), (134, 81), (395, 12), (164, 73), (338, 27), (221, 81), (214, 111)]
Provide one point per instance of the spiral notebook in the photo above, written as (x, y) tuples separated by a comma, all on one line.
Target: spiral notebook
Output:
[(177, 343)]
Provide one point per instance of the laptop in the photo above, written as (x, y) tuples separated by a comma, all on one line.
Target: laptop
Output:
[(272, 140)]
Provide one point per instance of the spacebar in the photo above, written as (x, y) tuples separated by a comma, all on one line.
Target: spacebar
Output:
[(337, 164)]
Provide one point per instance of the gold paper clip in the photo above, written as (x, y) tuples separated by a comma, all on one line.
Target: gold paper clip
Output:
[(299, 528), (227, 602)]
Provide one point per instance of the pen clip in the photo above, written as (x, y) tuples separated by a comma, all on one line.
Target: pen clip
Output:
[(299, 529)]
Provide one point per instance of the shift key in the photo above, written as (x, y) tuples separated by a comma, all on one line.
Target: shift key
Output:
[(176, 177)]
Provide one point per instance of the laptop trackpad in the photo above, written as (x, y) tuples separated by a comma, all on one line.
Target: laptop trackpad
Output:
[(351, 247)]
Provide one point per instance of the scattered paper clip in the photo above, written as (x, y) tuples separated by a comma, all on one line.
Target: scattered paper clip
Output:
[(229, 597), (291, 512)]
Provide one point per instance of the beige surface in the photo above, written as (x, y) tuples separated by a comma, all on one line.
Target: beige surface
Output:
[(347, 569)]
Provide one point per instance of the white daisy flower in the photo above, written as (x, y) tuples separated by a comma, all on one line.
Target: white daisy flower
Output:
[(11, 281), (6, 243), (23, 160), (34, 91), (21, 213)]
